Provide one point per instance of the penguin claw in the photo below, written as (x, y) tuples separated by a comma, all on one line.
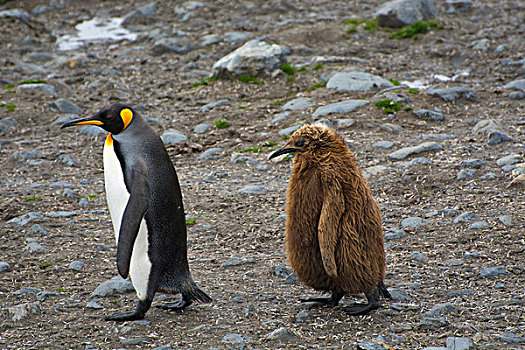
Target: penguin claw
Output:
[(358, 309), (179, 305), (125, 316)]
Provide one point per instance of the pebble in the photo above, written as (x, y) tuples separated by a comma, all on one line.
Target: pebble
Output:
[(24, 219), (408, 151), (516, 95), (236, 37), (417, 256), (209, 153), (505, 220), (172, 136), (465, 217), (339, 108), (143, 15), (83, 202), (94, 304), (511, 338), (356, 81), (43, 88), (69, 193), (473, 163), (415, 161), (453, 94), (492, 130), (492, 271), (518, 84), (465, 174), (383, 144), (61, 214), (65, 106), (4, 266), (115, 285), (8, 125), (255, 57), (302, 316), (459, 343), (282, 271), (414, 222), (237, 262), (91, 130), (241, 158), (16, 13), (454, 262), (400, 13), (509, 160), (44, 295), (398, 294), (290, 130), (76, 265), (24, 156), (441, 309), (135, 341), (201, 128), (35, 247), (298, 104), (212, 105), (394, 234), (281, 334), (36, 229), (370, 345), (253, 189), (344, 123), (26, 290), (280, 117), (234, 338), (481, 45), (429, 115), (433, 322), (373, 171), (210, 39), (179, 46), (21, 311), (291, 279), (478, 225)]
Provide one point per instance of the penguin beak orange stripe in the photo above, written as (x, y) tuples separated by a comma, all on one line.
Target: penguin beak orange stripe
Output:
[(84, 121)]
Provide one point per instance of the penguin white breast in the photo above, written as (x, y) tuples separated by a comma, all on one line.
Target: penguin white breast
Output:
[(117, 197)]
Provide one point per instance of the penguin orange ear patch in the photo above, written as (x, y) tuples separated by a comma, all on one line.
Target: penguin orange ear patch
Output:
[(126, 115)]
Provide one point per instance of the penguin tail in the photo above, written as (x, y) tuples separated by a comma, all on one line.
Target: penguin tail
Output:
[(190, 291), (383, 291)]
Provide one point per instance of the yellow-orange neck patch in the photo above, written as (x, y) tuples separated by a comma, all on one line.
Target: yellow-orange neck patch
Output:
[(126, 115), (109, 140)]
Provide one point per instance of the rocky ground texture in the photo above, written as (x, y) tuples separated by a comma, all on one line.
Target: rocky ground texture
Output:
[(444, 160)]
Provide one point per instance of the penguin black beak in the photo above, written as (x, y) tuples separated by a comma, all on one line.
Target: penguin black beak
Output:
[(282, 151), (83, 121)]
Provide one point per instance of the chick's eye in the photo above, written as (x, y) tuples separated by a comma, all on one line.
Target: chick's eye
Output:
[(299, 143)]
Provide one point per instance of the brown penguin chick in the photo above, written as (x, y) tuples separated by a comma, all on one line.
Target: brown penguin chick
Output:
[(334, 237)]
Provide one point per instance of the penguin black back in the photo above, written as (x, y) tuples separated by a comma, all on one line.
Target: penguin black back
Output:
[(145, 204)]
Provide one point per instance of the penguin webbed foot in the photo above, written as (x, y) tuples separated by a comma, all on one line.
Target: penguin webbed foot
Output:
[(179, 305), (125, 316), (330, 301), (373, 303)]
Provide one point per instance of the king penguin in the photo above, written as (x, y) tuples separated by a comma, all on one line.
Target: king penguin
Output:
[(145, 205)]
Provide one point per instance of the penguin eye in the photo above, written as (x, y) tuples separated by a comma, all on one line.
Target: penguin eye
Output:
[(299, 143)]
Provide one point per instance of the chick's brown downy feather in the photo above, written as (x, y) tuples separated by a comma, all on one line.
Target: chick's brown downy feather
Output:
[(334, 237)]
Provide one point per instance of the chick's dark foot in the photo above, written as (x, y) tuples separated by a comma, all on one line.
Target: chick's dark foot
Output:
[(179, 305), (360, 309), (125, 316), (332, 300)]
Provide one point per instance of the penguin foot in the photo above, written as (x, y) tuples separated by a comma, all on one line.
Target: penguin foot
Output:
[(179, 305), (125, 316), (331, 301), (360, 309)]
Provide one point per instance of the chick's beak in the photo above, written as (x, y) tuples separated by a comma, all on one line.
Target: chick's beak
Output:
[(83, 121), (281, 151)]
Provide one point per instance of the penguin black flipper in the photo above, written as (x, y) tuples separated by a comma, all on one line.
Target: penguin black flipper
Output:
[(136, 208)]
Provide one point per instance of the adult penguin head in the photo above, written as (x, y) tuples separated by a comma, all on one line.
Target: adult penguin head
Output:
[(114, 119)]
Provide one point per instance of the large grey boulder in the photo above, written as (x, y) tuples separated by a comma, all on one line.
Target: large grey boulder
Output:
[(254, 58), (400, 13)]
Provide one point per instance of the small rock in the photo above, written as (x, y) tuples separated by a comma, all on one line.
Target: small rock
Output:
[(281, 334), (516, 95), (433, 322), (212, 105), (67, 159), (454, 262), (356, 81), (83, 202), (94, 304), (517, 85), (291, 279), (44, 295), (209, 152), (8, 125), (69, 193), (235, 37), (210, 39), (441, 309), (91, 130), (298, 104), (383, 144), (492, 271), (237, 262), (492, 130), (408, 151), (459, 343), (478, 225), (254, 58), (473, 163), (373, 171), (280, 117), (233, 338), (465, 173), (395, 234), (35, 88), (302, 316), (18, 312), (4, 266), (135, 341), (26, 290), (24, 156), (414, 222), (511, 338), (481, 45), (400, 13), (509, 160), (417, 256), (398, 294), (36, 229), (35, 247), (465, 217), (429, 115), (24, 219), (201, 128), (65, 106), (253, 189), (282, 271), (115, 285), (453, 94), (172, 136), (370, 345), (16, 13), (505, 220), (339, 108), (143, 15), (61, 214), (179, 46), (76, 265), (290, 130)]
